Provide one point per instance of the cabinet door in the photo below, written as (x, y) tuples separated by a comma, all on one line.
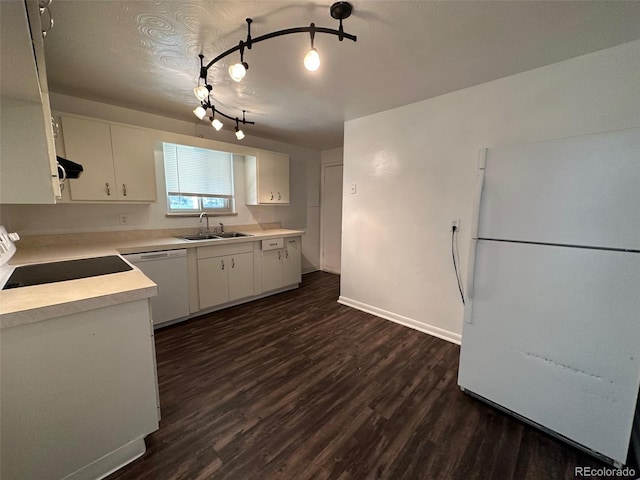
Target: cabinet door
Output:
[(213, 281), (280, 178), (273, 177), (28, 171), (266, 180), (133, 162), (271, 269), (240, 276), (89, 143), (292, 262)]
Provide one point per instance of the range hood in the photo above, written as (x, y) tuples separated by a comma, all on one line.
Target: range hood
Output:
[(68, 169)]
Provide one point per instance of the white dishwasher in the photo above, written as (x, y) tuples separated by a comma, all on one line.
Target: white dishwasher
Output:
[(168, 269)]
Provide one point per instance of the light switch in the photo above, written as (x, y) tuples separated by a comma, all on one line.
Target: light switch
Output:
[(353, 189)]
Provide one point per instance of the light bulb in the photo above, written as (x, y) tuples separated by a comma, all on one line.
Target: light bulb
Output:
[(239, 134), (201, 92), (237, 71), (312, 60), (217, 124), (199, 112)]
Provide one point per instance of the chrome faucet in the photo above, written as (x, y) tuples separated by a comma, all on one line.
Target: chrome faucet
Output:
[(221, 227), (204, 214)]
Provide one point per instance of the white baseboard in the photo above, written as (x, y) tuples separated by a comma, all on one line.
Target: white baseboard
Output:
[(405, 321), (111, 462)]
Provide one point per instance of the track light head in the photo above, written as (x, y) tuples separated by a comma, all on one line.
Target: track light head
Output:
[(237, 71), (215, 123), (201, 92), (200, 112), (239, 133), (312, 60)]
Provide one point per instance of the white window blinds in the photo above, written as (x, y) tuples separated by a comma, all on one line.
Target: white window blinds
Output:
[(192, 171)]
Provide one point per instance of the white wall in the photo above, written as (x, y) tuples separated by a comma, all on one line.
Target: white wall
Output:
[(70, 218), (414, 167)]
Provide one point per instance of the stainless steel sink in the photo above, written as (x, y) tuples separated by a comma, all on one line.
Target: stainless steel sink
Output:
[(233, 235), (217, 236), (199, 237)]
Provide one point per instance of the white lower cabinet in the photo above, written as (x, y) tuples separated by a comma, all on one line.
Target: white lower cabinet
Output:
[(281, 263), (225, 274)]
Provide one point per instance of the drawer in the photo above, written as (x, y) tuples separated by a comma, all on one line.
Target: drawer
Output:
[(223, 250), (272, 243), (292, 242)]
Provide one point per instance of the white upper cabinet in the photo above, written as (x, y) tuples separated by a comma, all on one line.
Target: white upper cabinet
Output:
[(118, 161), (267, 178), (28, 168)]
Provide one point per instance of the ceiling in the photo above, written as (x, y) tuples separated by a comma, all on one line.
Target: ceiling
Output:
[(143, 54)]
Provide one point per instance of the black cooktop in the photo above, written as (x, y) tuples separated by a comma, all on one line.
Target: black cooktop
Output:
[(40, 273)]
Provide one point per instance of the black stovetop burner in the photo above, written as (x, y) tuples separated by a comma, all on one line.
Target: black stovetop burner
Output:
[(40, 273)]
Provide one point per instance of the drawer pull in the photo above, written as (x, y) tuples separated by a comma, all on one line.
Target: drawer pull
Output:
[(108, 189)]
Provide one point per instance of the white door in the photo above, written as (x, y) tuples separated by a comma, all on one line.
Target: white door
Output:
[(331, 217)]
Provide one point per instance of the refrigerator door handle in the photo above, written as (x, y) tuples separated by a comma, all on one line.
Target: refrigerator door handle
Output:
[(482, 160)]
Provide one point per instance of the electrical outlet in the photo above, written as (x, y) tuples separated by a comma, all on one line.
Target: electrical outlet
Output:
[(124, 219), (455, 223)]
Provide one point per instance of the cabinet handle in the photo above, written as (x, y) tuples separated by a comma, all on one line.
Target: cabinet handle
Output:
[(279, 255), (108, 189), (271, 195), (124, 189), (286, 254), (222, 264), (233, 263), (279, 196)]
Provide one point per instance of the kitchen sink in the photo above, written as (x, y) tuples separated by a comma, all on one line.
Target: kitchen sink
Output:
[(232, 235), (217, 236), (199, 237)]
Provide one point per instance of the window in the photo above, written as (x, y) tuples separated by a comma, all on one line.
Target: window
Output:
[(197, 179)]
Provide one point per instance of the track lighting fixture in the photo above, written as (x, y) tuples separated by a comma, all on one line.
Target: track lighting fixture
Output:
[(240, 133), (217, 124), (237, 71), (312, 58), (202, 92), (200, 112)]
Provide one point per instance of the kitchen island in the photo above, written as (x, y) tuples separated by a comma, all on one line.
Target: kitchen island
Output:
[(78, 385)]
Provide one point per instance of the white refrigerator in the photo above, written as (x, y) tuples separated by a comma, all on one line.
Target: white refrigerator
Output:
[(551, 331)]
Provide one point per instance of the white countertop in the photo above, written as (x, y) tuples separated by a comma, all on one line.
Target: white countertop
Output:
[(40, 302)]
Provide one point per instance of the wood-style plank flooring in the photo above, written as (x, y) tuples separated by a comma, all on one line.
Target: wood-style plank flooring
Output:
[(297, 386)]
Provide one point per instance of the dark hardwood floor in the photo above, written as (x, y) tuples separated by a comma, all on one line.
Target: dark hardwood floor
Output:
[(297, 386)]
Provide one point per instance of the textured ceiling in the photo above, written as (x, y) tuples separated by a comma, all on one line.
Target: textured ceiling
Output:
[(143, 54)]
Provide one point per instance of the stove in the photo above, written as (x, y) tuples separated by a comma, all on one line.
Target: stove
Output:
[(41, 273)]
